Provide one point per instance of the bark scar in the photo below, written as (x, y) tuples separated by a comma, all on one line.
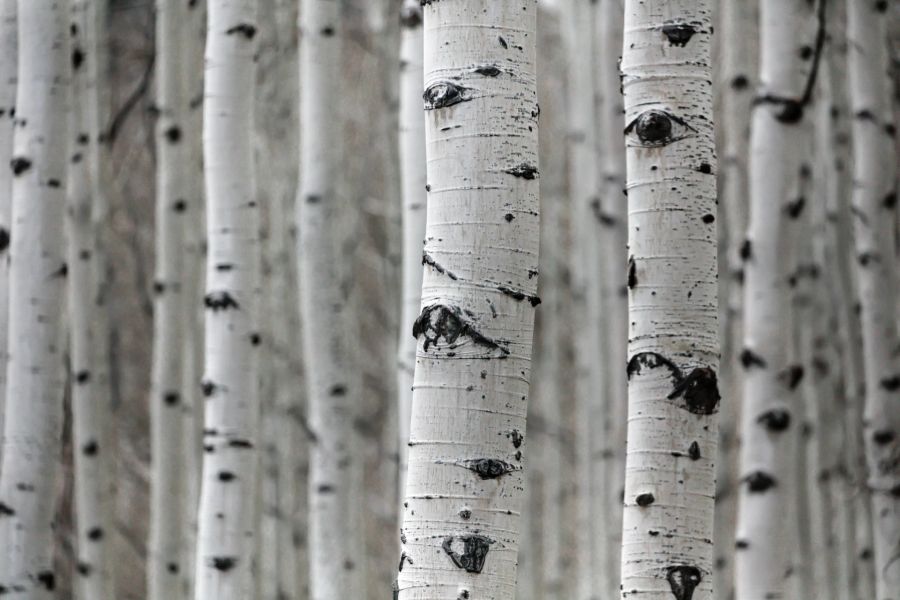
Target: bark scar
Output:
[(699, 389), (439, 321), (475, 550)]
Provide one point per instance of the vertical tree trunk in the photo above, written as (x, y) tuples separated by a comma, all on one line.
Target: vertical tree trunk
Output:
[(874, 203), (86, 262), (464, 489), (35, 381), (8, 51), (336, 542), (771, 381), (412, 168), (167, 481), (230, 381), (673, 339)]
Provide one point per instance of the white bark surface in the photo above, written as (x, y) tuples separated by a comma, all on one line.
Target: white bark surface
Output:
[(225, 544), (412, 168), (673, 339), (168, 481), (335, 541), (35, 377), (87, 323), (464, 489), (8, 52), (874, 204)]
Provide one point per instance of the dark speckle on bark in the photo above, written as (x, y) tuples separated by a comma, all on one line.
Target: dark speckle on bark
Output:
[(489, 468), (694, 451), (19, 165), (884, 437), (6, 511), (632, 273), (644, 500), (775, 420), (750, 359), (223, 563), (524, 171), (46, 579), (795, 208), (4, 239), (679, 34), (245, 29), (217, 301), (758, 482), (475, 551), (891, 384), (792, 376), (488, 70), (89, 448)]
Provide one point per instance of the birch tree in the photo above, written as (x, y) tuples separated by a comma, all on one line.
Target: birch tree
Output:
[(167, 481), (770, 380), (412, 168), (464, 491), (90, 391), (35, 380), (673, 339), (8, 50), (335, 538), (874, 205), (230, 382)]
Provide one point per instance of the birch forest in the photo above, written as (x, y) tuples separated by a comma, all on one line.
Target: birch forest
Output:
[(449, 300)]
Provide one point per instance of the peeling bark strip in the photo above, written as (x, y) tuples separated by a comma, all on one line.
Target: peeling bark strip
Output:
[(474, 552), (450, 324)]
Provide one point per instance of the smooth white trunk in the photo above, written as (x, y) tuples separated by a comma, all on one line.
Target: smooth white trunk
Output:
[(8, 52), (464, 491), (673, 348), (874, 222), (35, 376), (225, 544)]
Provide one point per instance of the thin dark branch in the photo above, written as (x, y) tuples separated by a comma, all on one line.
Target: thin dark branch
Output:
[(118, 120)]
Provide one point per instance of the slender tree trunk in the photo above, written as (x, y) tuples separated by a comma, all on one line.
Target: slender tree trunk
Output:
[(336, 541), (230, 382), (874, 203), (165, 554), (35, 381), (412, 168), (613, 206), (673, 339), (8, 52), (464, 489), (86, 261)]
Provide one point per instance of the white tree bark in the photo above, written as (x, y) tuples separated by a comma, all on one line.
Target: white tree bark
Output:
[(874, 203), (673, 339), (412, 168), (464, 489), (613, 215), (35, 380), (770, 383), (8, 51), (86, 263), (336, 545), (167, 481), (225, 544)]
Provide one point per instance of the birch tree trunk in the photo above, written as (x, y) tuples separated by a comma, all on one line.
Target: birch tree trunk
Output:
[(35, 381), (770, 383), (8, 52), (412, 168), (673, 338), (874, 203), (86, 262), (336, 542), (227, 518), (464, 489), (167, 481)]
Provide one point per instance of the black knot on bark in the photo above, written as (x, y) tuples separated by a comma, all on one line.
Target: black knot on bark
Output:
[(654, 127), (758, 482), (82, 376), (6, 511), (791, 112), (891, 384), (442, 94), (700, 390), (77, 58), (884, 437), (217, 301), (524, 170), (683, 580), (173, 134), (694, 451), (795, 208), (46, 579), (644, 500), (792, 376), (679, 34), (84, 569), (411, 16), (740, 82), (245, 29), (4, 239), (474, 551), (171, 398), (746, 251), (95, 533), (488, 70), (489, 468), (90, 448), (207, 387), (226, 476), (632, 273), (449, 323), (776, 420), (223, 563), (750, 359), (19, 165), (172, 568)]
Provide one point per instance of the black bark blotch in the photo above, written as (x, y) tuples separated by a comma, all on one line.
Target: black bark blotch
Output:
[(474, 554), (683, 580)]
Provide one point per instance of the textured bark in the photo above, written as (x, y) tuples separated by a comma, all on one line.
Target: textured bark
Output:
[(8, 51), (230, 381), (673, 338), (412, 167), (35, 380), (768, 421), (464, 489), (91, 436), (168, 481), (874, 203), (336, 543)]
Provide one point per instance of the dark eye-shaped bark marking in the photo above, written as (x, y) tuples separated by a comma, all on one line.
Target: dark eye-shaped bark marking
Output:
[(792, 376), (776, 420), (679, 34), (657, 128), (488, 70), (524, 170), (758, 482), (223, 563), (439, 321), (474, 551), (489, 468), (442, 94), (245, 29), (644, 500), (217, 301), (683, 580), (700, 390)]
